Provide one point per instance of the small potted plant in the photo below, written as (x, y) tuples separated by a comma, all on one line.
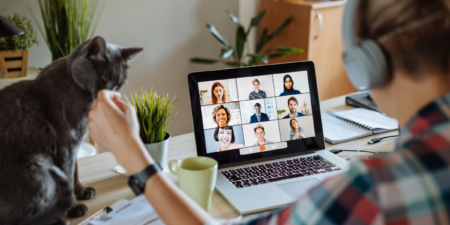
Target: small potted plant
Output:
[(14, 49), (153, 112)]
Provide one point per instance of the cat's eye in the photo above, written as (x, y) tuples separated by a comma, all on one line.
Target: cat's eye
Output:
[(103, 80)]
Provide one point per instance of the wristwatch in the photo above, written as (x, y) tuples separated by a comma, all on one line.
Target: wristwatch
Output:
[(137, 181)]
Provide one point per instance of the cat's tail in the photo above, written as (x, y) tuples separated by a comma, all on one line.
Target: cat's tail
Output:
[(62, 205)]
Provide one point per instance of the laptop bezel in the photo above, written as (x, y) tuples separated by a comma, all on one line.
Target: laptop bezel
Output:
[(232, 157)]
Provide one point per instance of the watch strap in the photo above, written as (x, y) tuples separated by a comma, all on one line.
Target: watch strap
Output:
[(138, 180)]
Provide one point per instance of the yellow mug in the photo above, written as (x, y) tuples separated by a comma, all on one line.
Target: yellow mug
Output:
[(196, 177)]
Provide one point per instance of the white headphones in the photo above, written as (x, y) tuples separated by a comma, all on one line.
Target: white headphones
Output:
[(365, 62)]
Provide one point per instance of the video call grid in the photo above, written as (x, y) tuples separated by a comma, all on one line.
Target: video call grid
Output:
[(275, 97)]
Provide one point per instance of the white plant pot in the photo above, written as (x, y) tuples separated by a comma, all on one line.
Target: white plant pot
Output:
[(159, 151)]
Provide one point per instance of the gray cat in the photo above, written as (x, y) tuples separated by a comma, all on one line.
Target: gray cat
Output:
[(42, 124)]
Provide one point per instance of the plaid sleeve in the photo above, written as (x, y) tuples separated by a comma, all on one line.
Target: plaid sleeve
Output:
[(349, 198)]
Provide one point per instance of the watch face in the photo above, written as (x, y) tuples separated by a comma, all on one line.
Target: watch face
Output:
[(135, 186)]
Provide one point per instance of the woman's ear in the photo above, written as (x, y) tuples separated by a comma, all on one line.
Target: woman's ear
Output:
[(129, 54)]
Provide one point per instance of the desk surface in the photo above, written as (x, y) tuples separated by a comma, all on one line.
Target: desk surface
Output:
[(95, 170)]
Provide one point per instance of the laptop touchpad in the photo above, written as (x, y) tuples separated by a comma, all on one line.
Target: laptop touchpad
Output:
[(297, 188)]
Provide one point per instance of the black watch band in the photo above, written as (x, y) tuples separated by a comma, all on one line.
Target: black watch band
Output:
[(137, 181)]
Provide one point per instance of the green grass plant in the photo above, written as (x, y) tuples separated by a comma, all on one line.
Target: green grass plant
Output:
[(153, 112), (67, 23), (19, 42)]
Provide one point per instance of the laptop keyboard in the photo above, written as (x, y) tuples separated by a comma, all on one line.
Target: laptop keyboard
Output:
[(277, 171)]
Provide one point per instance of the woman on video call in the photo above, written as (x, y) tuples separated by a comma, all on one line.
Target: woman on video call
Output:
[(296, 131), (221, 115), (289, 86), (225, 137), (218, 94), (408, 186)]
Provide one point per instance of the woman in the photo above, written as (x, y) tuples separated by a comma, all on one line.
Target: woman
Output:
[(218, 94), (408, 186), (296, 131), (289, 86), (226, 139), (221, 115)]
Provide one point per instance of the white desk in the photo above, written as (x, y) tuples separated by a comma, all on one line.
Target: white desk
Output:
[(95, 170)]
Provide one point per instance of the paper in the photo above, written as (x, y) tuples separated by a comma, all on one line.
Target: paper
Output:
[(137, 211), (370, 118), (338, 131), (120, 170)]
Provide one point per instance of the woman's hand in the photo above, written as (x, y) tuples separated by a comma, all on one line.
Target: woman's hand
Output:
[(114, 125), (295, 136), (302, 135)]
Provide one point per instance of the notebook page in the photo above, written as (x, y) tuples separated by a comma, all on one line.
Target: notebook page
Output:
[(337, 130), (370, 118)]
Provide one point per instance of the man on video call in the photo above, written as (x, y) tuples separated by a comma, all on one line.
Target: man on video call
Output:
[(292, 105), (258, 116)]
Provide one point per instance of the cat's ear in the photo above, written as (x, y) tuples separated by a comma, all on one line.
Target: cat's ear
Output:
[(97, 49), (129, 54)]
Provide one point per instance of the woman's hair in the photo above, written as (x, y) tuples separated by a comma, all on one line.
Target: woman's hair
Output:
[(414, 34), (216, 133), (213, 96), (288, 91), (292, 127), (217, 108), (258, 126), (255, 80)]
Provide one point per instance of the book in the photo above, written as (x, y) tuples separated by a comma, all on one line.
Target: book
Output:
[(355, 123), (361, 100)]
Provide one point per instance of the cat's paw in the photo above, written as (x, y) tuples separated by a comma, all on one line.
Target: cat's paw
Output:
[(77, 211), (87, 193)]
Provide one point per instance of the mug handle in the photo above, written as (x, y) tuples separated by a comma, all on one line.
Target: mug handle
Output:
[(171, 168)]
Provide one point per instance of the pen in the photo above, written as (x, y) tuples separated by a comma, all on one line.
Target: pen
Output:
[(96, 215), (350, 156)]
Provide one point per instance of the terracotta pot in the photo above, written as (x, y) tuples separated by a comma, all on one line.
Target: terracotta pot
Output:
[(13, 64)]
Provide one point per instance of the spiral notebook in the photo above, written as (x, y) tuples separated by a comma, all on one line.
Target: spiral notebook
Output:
[(355, 123)]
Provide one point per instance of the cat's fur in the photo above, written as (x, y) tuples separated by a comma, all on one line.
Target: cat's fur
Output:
[(42, 124)]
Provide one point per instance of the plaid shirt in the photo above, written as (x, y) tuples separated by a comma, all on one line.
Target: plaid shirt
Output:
[(409, 186)]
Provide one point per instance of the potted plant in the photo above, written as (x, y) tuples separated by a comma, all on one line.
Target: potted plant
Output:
[(14, 49), (67, 23), (153, 112), (237, 52)]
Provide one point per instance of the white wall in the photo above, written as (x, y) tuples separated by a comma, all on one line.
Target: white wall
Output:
[(171, 32)]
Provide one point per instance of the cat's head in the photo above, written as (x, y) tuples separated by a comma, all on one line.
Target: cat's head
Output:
[(97, 64)]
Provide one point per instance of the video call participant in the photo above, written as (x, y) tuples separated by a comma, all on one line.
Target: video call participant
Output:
[(296, 131), (293, 105), (259, 134), (218, 94), (257, 93), (226, 139), (221, 115), (258, 116), (289, 86)]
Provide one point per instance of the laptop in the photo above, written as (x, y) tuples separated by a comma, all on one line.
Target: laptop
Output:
[(262, 124)]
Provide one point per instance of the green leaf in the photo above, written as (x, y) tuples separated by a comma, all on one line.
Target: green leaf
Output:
[(240, 42), (226, 52), (255, 21), (259, 58), (204, 61), (279, 29), (288, 50), (217, 35), (257, 18), (234, 64), (234, 19), (261, 41)]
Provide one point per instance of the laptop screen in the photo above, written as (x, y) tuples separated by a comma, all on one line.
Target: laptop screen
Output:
[(256, 113)]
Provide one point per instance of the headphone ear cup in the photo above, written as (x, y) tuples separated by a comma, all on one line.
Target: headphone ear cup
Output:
[(365, 65), (376, 63)]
